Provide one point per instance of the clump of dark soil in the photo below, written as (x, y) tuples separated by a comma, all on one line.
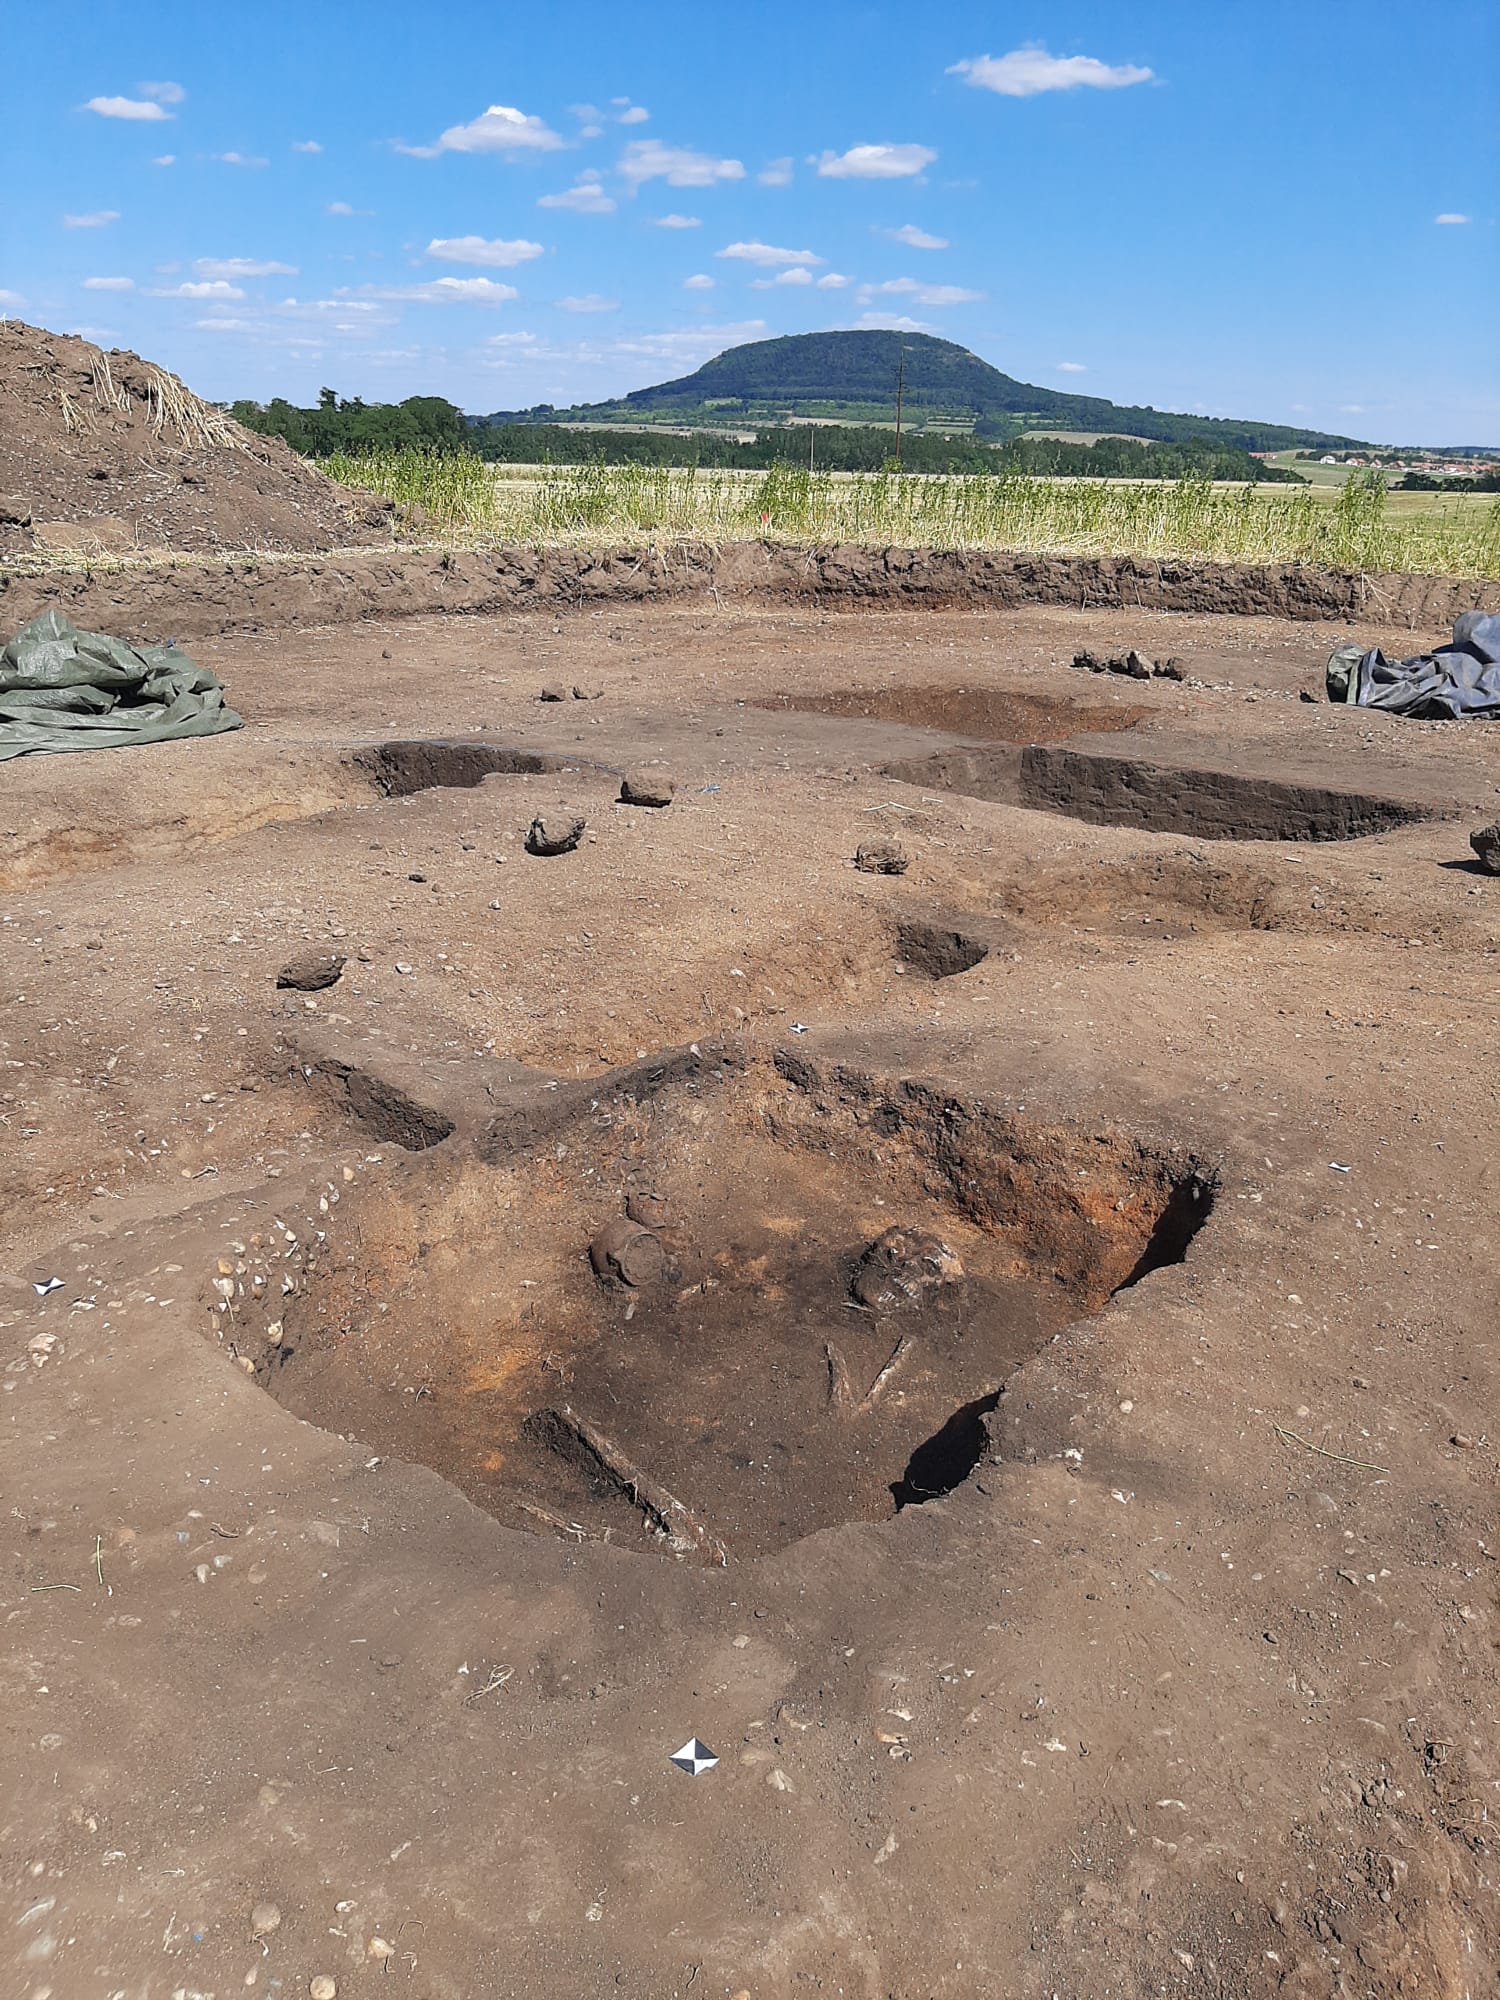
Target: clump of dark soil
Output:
[(103, 452)]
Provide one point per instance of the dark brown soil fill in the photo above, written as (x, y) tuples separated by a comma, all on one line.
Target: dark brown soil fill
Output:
[(742, 1398), (399, 769), (1121, 791), (991, 714), (107, 452)]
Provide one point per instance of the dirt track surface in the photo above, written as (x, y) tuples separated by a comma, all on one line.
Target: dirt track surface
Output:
[(1174, 1670)]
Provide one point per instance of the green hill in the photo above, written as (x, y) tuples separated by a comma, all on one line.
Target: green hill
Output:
[(851, 377)]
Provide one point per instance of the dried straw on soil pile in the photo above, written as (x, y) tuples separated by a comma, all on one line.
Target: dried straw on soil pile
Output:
[(104, 452)]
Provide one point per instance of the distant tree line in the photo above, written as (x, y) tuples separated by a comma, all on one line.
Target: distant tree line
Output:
[(427, 423), (430, 423), (1438, 482)]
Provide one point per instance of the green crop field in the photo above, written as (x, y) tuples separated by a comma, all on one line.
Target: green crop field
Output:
[(1358, 526)]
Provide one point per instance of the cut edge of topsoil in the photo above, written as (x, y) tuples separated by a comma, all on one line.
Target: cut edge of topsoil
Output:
[(205, 597)]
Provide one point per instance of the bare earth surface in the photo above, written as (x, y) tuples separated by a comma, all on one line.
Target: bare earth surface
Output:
[(1119, 1620)]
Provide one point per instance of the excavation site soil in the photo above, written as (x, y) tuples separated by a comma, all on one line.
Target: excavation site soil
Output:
[(749, 1295)]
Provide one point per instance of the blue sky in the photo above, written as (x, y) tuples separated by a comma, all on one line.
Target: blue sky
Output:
[(1252, 208)]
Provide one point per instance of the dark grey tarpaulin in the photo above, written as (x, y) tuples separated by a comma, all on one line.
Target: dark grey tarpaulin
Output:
[(62, 689), (1457, 680)]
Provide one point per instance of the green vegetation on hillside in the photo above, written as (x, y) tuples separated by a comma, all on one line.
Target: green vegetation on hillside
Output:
[(852, 375)]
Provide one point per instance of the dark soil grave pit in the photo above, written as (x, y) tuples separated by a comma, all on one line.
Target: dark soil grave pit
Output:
[(738, 1395)]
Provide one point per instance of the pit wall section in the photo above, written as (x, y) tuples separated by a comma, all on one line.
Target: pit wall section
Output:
[(194, 599)]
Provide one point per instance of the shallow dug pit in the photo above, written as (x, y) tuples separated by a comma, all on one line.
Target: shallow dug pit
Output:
[(766, 1299), (991, 714), (1158, 798), (422, 763)]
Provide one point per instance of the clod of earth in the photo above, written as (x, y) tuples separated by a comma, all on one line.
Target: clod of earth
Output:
[(881, 857), (588, 694), (311, 975), (553, 693), (643, 789), (627, 1253), (554, 835), (1485, 841), (904, 1267), (649, 1210), (14, 513)]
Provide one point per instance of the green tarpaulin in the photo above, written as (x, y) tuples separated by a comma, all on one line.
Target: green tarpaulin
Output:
[(62, 689)]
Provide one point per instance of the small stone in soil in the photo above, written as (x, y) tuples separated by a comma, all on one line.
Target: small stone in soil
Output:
[(881, 857), (553, 694), (264, 1919), (554, 834), (642, 789), (588, 694), (1485, 841), (323, 1986), (311, 975)]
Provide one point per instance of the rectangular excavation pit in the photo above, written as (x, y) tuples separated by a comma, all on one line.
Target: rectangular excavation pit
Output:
[(1158, 798), (706, 1322), (421, 764)]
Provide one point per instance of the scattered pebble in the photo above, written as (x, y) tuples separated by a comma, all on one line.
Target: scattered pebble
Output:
[(322, 1986), (264, 1919)]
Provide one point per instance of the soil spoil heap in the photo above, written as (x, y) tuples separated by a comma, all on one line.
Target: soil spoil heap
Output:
[(104, 452)]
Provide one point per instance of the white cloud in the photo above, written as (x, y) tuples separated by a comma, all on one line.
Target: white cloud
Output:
[(797, 275), (676, 222), (635, 114), (240, 159), (510, 340), (306, 146), (344, 208), (100, 219), (1451, 219), (687, 346), (501, 129), (679, 166), (109, 284), (143, 110), (874, 163), (699, 282), (11, 299), (914, 238), (767, 254), (498, 253), (776, 173), (891, 323), (590, 131), (242, 267), (833, 281), (922, 295), (584, 197), (1028, 72), (165, 160), (1072, 367), (587, 302), (215, 288), (445, 291), (164, 93)]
